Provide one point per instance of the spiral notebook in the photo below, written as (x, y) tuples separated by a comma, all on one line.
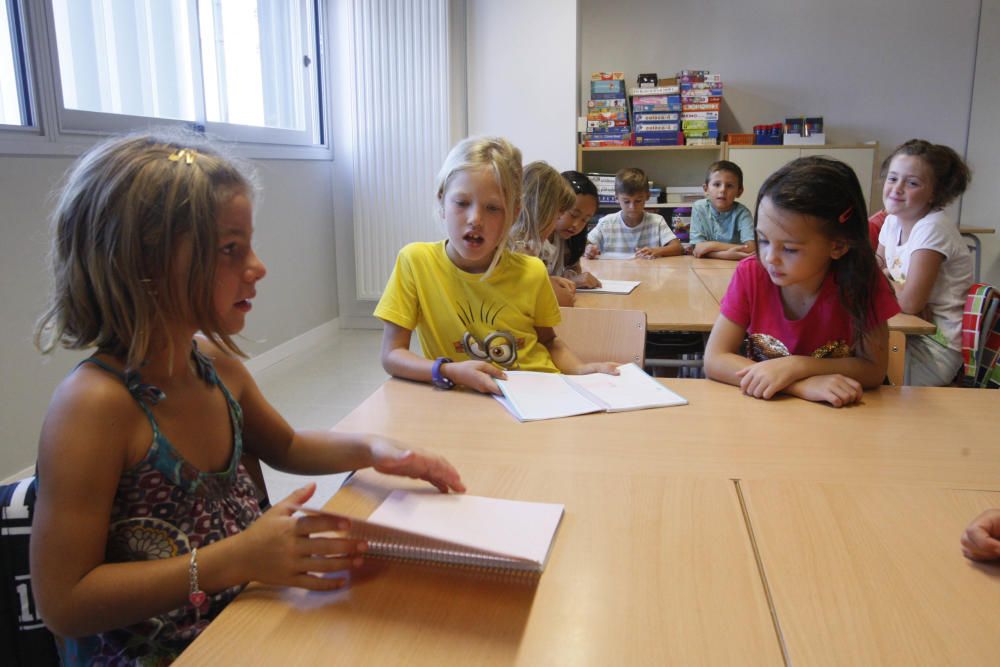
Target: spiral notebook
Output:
[(458, 529)]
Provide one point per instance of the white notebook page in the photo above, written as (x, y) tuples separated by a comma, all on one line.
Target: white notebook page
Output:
[(612, 287), (631, 389), (510, 527), (543, 396)]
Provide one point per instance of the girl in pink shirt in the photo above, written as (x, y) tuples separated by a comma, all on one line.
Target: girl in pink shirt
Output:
[(806, 315)]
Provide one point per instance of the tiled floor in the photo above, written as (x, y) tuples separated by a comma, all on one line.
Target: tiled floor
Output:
[(315, 390)]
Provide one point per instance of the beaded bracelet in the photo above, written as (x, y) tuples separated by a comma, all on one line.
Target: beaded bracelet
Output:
[(196, 596)]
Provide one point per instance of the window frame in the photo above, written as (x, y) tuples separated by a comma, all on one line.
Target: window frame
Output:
[(60, 131)]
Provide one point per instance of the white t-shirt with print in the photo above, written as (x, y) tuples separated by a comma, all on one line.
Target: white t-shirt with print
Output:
[(947, 298)]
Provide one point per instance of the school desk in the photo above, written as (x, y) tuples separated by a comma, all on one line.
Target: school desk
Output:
[(634, 577), (653, 563), (873, 575), (670, 294)]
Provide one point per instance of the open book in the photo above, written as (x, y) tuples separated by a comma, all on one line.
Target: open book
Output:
[(531, 396), (617, 255), (611, 287), (457, 529)]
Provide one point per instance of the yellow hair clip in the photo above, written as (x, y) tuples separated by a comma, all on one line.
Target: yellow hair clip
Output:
[(186, 154)]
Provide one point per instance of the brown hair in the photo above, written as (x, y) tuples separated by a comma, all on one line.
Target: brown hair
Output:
[(951, 175), (631, 181), (724, 165), (828, 190), (118, 218)]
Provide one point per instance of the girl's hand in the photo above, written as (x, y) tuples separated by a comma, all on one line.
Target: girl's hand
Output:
[(837, 390), (766, 378), (279, 548), (980, 540), (473, 374), (591, 251), (606, 367), (587, 280), (389, 459), (565, 290)]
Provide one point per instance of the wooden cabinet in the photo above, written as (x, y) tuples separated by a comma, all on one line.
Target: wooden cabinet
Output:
[(759, 162)]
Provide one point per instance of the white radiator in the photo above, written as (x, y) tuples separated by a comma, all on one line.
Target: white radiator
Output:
[(399, 85)]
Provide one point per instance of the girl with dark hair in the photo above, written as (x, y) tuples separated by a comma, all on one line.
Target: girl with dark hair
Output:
[(810, 308), (570, 236)]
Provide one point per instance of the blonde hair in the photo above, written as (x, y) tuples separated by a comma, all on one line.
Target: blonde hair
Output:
[(504, 160), (546, 195), (118, 220)]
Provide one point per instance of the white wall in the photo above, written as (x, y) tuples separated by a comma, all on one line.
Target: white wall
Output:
[(522, 76), (293, 234), (979, 206), (886, 71)]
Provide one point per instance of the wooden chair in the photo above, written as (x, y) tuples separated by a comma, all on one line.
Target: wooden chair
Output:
[(597, 334)]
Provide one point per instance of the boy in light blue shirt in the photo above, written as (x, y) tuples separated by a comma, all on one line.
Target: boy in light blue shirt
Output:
[(632, 231), (721, 227)]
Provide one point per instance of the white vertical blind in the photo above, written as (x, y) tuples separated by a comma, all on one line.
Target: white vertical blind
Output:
[(401, 126)]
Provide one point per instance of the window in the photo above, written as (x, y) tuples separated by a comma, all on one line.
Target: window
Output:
[(15, 108), (245, 70), (244, 64)]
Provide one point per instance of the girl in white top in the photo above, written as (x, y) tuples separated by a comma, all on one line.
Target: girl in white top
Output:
[(923, 254)]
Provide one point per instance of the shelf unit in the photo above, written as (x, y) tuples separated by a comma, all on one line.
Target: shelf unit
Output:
[(686, 165), (664, 165)]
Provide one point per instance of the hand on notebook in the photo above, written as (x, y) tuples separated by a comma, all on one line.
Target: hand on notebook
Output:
[(607, 367), (279, 547), (389, 459), (473, 374), (587, 280), (981, 540), (592, 251)]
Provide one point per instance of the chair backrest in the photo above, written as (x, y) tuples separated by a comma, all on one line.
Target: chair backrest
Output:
[(597, 334), (981, 337), (24, 639)]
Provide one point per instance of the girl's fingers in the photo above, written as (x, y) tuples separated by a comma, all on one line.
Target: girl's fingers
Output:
[(296, 497), (314, 523), (331, 546)]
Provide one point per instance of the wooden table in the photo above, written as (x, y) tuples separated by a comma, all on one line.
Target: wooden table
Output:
[(863, 575), (633, 579), (670, 294), (655, 560)]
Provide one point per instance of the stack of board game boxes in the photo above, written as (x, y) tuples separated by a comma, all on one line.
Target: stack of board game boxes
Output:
[(607, 111), (701, 99), (656, 107)]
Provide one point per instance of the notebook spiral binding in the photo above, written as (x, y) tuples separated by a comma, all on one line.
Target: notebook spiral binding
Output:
[(480, 564)]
